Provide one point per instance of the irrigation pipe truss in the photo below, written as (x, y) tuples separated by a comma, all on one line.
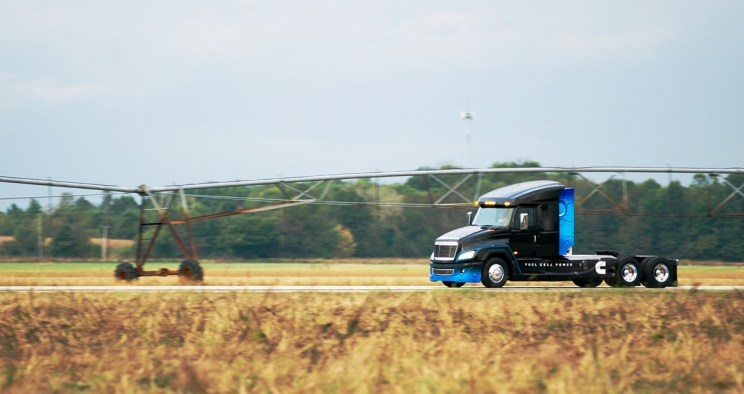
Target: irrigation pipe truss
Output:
[(143, 189), (161, 198)]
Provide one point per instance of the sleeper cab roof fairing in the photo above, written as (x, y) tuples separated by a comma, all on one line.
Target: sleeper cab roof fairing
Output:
[(533, 192)]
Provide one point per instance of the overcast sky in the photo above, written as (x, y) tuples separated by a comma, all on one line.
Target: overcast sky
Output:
[(161, 92)]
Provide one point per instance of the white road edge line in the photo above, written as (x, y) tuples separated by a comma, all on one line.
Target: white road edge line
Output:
[(326, 289)]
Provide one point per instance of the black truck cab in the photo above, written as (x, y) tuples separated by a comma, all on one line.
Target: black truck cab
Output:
[(525, 232)]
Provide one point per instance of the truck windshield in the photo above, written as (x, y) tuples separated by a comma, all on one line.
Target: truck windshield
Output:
[(492, 217)]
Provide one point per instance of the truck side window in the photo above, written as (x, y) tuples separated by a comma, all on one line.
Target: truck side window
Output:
[(525, 218), (548, 217)]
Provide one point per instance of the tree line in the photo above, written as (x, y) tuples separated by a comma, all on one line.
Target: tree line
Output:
[(669, 220)]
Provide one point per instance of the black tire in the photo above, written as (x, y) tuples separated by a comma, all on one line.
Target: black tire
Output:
[(656, 272), (644, 262), (495, 273), (453, 284), (588, 282), (190, 271), (125, 271), (627, 274)]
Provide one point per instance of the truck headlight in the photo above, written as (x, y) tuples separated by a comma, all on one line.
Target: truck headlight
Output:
[(466, 255)]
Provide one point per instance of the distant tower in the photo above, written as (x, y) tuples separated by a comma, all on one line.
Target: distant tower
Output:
[(467, 116)]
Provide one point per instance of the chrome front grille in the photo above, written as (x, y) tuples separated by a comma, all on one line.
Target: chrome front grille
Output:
[(445, 250), (443, 271)]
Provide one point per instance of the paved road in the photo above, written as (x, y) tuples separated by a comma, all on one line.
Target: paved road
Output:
[(326, 289)]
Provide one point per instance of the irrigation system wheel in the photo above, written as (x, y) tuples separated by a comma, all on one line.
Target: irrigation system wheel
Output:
[(453, 284), (125, 271), (190, 271)]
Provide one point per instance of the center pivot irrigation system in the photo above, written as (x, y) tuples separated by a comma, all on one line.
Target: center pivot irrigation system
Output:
[(161, 199)]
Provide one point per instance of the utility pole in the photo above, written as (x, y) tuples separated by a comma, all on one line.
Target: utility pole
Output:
[(625, 193), (104, 241), (49, 200), (467, 116), (670, 174), (40, 235), (377, 194)]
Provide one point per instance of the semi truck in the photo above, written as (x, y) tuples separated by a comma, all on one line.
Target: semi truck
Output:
[(525, 232)]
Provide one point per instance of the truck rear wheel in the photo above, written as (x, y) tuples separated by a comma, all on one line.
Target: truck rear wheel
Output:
[(452, 284), (656, 272), (588, 282), (627, 274), (495, 273)]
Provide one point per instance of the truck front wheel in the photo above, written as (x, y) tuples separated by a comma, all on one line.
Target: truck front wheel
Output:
[(495, 273)]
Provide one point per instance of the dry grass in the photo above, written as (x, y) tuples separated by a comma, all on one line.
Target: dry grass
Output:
[(113, 243), (449, 341), (712, 263)]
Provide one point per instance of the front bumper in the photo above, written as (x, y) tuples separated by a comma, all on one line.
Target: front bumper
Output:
[(468, 272)]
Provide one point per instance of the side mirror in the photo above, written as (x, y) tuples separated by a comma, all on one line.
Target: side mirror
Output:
[(470, 218)]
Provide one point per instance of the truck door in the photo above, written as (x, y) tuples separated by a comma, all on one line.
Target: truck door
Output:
[(547, 223), (523, 239)]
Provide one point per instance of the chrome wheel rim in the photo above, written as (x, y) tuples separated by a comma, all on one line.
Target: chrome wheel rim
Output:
[(661, 272), (496, 273), (629, 273)]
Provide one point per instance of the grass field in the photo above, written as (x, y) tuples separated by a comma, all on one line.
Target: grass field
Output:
[(355, 273), (444, 342)]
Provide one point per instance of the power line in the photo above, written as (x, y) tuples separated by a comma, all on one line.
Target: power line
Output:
[(50, 196)]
